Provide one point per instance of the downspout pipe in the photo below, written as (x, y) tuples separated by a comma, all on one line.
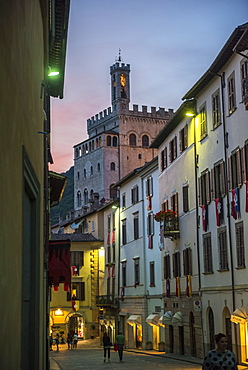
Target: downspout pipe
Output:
[(225, 135)]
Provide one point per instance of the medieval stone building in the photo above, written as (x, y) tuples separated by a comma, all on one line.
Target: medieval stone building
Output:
[(119, 140)]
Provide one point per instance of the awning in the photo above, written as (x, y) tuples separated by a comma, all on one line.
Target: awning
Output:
[(177, 319), (134, 319), (239, 316), (167, 318), (76, 226), (152, 319), (160, 321)]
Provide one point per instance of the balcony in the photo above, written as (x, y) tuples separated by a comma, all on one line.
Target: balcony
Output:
[(107, 300), (169, 224)]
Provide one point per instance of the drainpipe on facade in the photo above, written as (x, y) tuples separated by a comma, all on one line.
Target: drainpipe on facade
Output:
[(145, 280), (117, 324), (225, 134)]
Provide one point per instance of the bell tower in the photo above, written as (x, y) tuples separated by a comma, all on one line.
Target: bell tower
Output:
[(120, 85)]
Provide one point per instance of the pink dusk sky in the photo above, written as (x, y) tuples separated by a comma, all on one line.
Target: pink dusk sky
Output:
[(168, 43)]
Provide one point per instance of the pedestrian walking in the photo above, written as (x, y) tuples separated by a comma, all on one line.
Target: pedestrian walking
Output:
[(75, 340), (68, 340), (106, 346), (120, 340), (57, 341), (220, 358)]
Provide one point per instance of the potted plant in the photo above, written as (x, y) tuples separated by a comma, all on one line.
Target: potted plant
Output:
[(169, 222), (161, 346), (148, 344)]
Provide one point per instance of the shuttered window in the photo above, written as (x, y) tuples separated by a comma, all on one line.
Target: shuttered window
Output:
[(149, 186), (187, 261), (167, 268), (173, 149), (135, 194), (183, 138), (136, 226), (150, 222), (185, 198), (174, 202), (218, 181), (176, 264), (207, 250), (204, 188), (231, 94), (240, 245), (216, 109), (124, 232), (234, 167), (223, 249)]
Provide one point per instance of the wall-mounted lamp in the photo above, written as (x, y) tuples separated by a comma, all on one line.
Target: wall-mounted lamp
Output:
[(114, 207), (58, 312), (51, 72), (190, 114)]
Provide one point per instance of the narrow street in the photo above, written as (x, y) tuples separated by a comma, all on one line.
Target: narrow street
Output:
[(89, 355)]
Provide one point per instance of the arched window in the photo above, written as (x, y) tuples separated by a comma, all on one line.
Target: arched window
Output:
[(90, 146), (76, 153), (108, 140), (96, 143), (98, 167), (84, 173), (83, 150), (114, 141), (112, 166), (145, 141), (78, 175), (91, 193), (85, 197), (79, 198), (100, 141), (93, 145), (132, 139), (91, 170), (86, 148)]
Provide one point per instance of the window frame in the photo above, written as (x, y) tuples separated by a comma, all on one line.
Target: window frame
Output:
[(223, 249), (207, 253), (203, 121), (216, 109), (231, 90)]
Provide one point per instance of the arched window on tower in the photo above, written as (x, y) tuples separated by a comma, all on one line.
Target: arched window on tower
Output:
[(132, 139), (83, 150), (93, 145), (145, 141), (96, 143), (115, 141), (98, 167), (85, 173), (79, 199), (90, 146), (91, 193), (76, 153), (108, 140), (112, 166), (91, 170), (100, 141), (85, 197)]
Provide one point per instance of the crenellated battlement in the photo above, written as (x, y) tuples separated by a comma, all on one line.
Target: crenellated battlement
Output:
[(104, 115), (120, 66)]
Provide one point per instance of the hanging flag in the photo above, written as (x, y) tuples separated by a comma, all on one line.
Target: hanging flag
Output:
[(59, 264), (108, 271), (178, 289), (113, 236), (188, 286), (74, 270), (75, 305), (246, 201), (204, 217), (150, 244), (149, 203), (235, 203), (168, 288), (108, 239), (218, 211)]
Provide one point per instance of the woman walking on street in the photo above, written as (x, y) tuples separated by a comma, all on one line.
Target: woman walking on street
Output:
[(106, 346), (220, 358)]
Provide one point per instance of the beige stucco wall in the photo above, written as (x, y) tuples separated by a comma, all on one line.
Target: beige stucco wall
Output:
[(21, 65)]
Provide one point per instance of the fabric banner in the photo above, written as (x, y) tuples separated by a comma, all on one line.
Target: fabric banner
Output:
[(113, 236), (235, 203), (108, 239), (74, 270), (150, 243), (108, 271), (204, 217), (149, 203), (178, 288), (168, 288), (218, 211), (59, 264), (188, 286), (75, 305)]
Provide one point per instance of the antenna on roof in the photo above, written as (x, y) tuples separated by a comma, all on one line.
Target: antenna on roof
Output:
[(119, 58)]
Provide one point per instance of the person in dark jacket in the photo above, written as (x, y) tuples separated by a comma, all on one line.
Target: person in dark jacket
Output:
[(106, 346)]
